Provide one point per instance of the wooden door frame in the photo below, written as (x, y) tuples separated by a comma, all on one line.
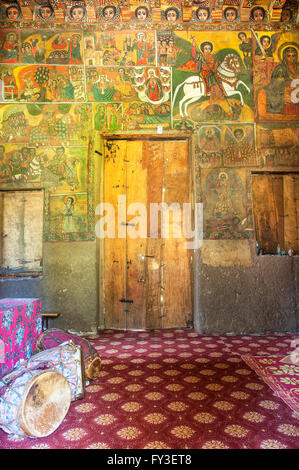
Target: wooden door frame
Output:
[(99, 196)]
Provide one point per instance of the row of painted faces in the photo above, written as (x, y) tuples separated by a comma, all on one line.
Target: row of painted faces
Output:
[(77, 13)]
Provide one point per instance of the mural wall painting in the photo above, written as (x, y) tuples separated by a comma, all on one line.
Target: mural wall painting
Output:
[(278, 145), (120, 48), (223, 69), (31, 83), (210, 80), (59, 170), (144, 91), (46, 124), (41, 47), (276, 66), (225, 145), (226, 203)]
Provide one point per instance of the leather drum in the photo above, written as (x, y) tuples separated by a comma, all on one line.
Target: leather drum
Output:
[(66, 358), (35, 403), (54, 336)]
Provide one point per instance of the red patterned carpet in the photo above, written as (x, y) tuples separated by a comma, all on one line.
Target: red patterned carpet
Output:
[(176, 389)]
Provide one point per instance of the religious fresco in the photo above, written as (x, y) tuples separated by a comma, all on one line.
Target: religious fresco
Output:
[(68, 215), (109, 12), (9, 46), (171, 11), (139, 11), (76, 12), (231, 14), (276, 71), (11, 12), (137, 115), (44, 12), (53, 168), (223, 70), (45, 124), (108, 117), (278, 145), (33, 83), (66, 174), (145, 84), (44, 47), (120, 48), (225, 145), (210, 80), (226, 203)]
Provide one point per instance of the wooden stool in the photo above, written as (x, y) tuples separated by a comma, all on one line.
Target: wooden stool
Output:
[(46, 315)]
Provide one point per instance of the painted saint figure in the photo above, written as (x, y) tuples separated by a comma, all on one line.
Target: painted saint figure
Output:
[(246, 48), (268, 45), (9, 50), (154, 88), (68, 211), (74, 50), (204, 62)]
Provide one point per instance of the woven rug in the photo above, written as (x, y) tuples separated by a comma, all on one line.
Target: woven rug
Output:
[(175, 389), (281, 373)]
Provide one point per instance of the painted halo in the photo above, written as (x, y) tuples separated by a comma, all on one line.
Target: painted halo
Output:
[(285, 46)]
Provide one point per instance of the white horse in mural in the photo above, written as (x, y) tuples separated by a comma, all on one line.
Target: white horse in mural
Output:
[(194, 86)]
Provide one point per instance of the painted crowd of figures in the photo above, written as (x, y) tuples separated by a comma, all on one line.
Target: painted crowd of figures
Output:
[(195, 78)]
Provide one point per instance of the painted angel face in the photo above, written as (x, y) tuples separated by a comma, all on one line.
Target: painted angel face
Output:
[(207, 49), (230, 15), (141, 13), (12, 13), (286, 15), (258, 15), (109, 13), (265, 42), (46, 12), (291, 55), (171, 16), (202, 14), (77, 13)]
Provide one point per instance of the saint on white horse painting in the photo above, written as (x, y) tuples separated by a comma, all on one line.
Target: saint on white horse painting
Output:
[(226, 78), (210, 80)]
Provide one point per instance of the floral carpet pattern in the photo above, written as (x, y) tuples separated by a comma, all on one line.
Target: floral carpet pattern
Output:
[(176, 389), (281, 373)]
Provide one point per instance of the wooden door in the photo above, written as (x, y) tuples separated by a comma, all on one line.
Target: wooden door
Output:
[(147, 274)]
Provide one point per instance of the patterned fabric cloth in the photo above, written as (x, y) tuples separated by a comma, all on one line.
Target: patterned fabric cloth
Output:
[(20, 326), (175, 389), (281, 373)]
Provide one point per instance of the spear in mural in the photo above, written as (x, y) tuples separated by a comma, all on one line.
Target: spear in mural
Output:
[(258, 42)]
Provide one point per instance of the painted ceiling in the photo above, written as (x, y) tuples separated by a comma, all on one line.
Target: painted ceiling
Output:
[(177, 14)]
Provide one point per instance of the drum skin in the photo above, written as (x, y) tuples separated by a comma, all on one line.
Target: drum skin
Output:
[(35, 403), (54, 336), (66, 358)]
